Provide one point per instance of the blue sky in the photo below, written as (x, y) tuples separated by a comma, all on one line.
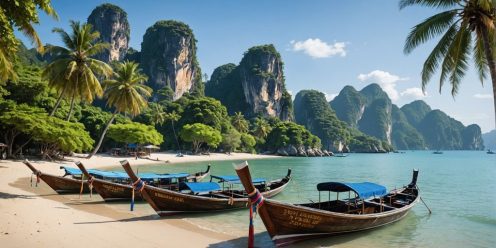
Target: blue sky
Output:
[(325, 45)]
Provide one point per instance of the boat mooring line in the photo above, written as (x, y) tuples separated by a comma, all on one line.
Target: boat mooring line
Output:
[(430, 212)]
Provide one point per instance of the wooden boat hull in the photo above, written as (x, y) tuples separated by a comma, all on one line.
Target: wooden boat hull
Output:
[(110, 191), (288, 223), (62, 185), (167, 202)]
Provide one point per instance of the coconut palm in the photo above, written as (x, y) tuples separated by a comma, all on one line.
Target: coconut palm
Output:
[(20, 15), (126, 93), (158, 116), (261, 128), (468, 29), (239, 122), (74, 73), (174, 117)]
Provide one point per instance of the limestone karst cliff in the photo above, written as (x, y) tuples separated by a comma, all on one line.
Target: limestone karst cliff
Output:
[(168, 57), (111, 21), (254, 87)]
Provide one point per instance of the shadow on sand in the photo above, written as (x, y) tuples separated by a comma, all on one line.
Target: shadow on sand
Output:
[(15, 196)]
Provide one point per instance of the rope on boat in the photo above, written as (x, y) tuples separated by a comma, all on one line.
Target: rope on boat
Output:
[(90, 185), (256, 201), (82, 186), (430, 212), (38, 174), (139, 185)]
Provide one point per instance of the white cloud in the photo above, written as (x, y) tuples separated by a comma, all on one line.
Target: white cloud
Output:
[(330, 97), (386, 80), (483, 96), (317, 48), (414, 93)]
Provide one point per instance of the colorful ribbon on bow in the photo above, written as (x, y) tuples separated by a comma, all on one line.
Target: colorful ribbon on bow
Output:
[(256, 201), (139, 185)]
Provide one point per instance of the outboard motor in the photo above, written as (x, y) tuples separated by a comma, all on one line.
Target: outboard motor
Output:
[(414, 179)]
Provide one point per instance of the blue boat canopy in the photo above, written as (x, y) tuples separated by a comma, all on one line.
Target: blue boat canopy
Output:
[(150, 176), (202, 187), (123, 175), (71, 171), (363, 190), (235, 179)]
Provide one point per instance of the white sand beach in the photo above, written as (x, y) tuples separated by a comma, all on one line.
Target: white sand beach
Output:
[(39, 217)]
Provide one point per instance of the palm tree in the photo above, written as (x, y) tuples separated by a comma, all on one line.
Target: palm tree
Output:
[(74, 73), (174, 117), (20, 15), (126, 93), (239, 122), (467, 28), (261, 128), (158, 116)]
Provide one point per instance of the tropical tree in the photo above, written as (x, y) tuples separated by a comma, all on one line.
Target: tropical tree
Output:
[(126, 93), (231, 140), (467, 28), (74, 73), (261, 128), (135, 133), (239, 122), (158, 116), (20, 15), (174, 117), (199, 134)]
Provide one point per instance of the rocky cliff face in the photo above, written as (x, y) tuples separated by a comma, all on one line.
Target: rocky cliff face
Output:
[(349, 105), (414, 126), (255, 86), (472, 138), (111, 21), (262, 79), (369, 110), (168, 57)]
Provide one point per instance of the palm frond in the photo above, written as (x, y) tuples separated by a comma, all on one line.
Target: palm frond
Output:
[(429, 3), (429, 28), (460, 59), (480, 59), (432, 61)]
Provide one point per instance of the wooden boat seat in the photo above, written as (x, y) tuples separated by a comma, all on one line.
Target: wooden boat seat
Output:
[(386, 207)]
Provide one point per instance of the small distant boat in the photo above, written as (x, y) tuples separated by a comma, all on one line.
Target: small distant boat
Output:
[(489, 151), (340, 153), (191, 197), (61, 184), (115, 186), (370, 207), (437, 152)]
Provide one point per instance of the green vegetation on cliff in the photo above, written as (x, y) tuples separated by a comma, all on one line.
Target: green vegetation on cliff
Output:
[(240, 87), (312, 111)]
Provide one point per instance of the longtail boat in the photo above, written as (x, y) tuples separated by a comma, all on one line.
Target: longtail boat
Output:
[(371, 207), (61, 184), (112, 186), (196, 197)]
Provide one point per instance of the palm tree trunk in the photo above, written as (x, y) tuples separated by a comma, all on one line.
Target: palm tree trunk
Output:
[(175, 136), (58, 101), (73, 99), (491, 62), (71, 109), (97, 147)]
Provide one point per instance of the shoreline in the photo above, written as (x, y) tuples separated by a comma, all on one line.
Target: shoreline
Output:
[(39, 216)]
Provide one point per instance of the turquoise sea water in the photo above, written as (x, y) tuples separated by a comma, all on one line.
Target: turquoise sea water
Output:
[(459, 187)]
